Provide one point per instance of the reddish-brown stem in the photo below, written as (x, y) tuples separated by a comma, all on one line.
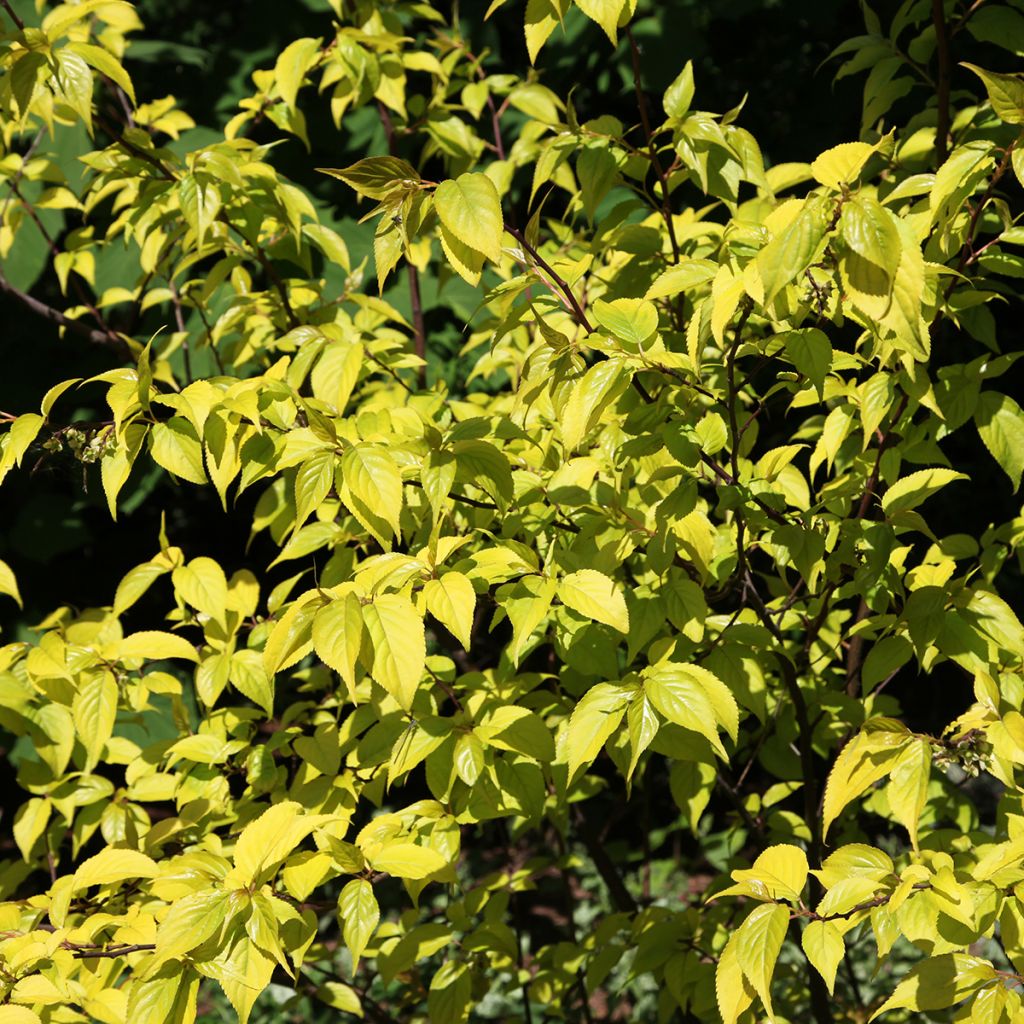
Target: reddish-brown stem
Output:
[(419, 325), (13, 15), (572, 303), (645, 120)]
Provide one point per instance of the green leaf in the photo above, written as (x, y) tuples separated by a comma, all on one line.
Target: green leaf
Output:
[(291, 67), (596, 169), (938, 982), (911, 491), (678, 95), (823, 945), (1000, 423), (399, 646), (313, 483), (371, 488), (791, 252), (376, 176), (595, 596), (190, 921), (452, 601), (470, 209), (338, 637), (360, 913), (680, 693), (518, 730), (596, 390), (75, 80), (526, 603), (869, 229), (810, 351), (1005, 93), (451, 991), (758, 942), (8, 582), (633, 321), (593, 720)]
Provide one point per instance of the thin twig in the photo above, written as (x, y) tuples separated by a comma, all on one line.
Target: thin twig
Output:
[(13, 15), (560, 283), (111, 341), (666, 210)]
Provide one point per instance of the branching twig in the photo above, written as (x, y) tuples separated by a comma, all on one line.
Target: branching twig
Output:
[(111, 340)]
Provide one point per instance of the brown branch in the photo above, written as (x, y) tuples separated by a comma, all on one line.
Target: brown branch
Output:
[(967, 254), (621, 897), (179, 320), (13, 15), (560, 283), (130, 147), (111, 340), (419, 324), (89, 953), (666, 209), (80, 292)]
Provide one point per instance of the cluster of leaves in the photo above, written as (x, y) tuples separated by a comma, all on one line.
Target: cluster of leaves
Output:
[(671, 541)]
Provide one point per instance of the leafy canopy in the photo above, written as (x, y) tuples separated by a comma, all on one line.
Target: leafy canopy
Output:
[(661, 557)]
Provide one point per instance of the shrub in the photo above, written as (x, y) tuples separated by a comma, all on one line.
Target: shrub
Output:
[(640, 671)]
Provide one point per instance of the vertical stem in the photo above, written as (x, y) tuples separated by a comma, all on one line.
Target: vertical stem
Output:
[(179, 320), (418, 323), (942, 83), (645, 120)]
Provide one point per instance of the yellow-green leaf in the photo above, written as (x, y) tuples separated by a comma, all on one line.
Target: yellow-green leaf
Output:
[(94, 710), (469, 207), (911, 490), (155, 645), (407, 860), (291, 66), (823, 944), (452, 600), (399, 645), (8, 582), (338, 637), (758, 942), (112, 865), (360, 913), (595, 596)]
